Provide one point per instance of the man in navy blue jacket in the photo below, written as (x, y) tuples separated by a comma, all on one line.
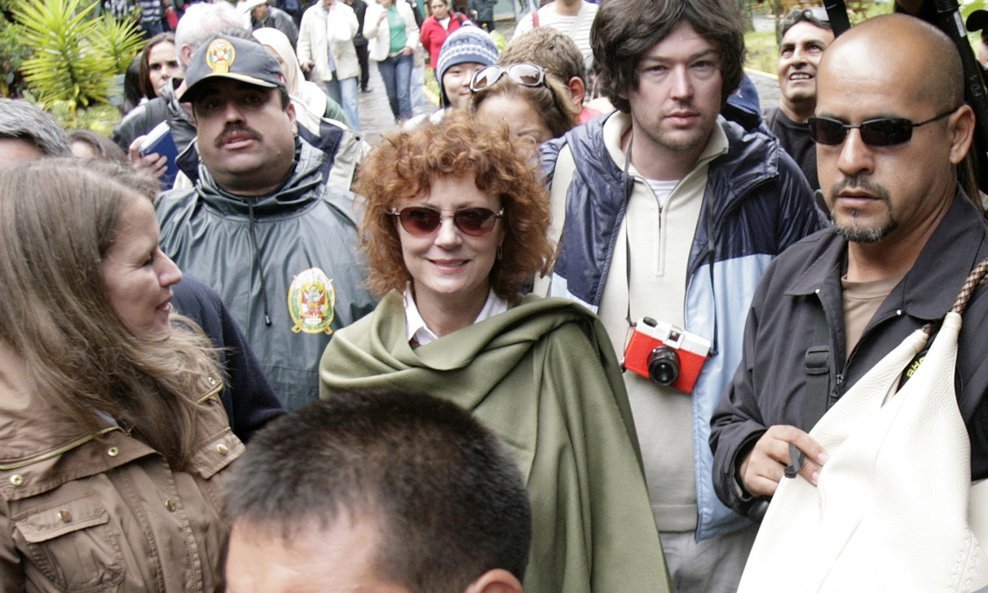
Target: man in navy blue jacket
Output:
[(665, 210)]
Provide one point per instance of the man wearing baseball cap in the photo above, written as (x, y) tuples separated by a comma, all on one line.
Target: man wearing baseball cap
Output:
[(261, 225)]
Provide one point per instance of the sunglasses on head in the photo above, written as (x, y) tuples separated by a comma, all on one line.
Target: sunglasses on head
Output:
[(523, 73), (882, 131), (420, 221)]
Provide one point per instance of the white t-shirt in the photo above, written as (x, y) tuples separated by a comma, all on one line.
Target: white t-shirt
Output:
[(576, 27)]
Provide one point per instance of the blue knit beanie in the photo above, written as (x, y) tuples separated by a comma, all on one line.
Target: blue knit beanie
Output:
[(468, 44)]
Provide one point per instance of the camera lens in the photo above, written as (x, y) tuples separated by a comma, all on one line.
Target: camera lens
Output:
[(663, 365)]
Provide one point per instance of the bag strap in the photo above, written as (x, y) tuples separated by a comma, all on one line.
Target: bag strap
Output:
[(816, 365), (979, 275)]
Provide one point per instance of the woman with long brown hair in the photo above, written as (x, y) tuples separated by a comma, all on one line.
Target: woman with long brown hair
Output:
[(112, 432)]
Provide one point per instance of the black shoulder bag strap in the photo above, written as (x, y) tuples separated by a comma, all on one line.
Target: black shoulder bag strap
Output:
[(816, 365)]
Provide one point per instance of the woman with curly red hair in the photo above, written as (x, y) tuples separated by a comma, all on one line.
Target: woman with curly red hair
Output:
[(454, 228)]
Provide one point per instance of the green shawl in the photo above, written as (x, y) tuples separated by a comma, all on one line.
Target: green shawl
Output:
[(543, 377)]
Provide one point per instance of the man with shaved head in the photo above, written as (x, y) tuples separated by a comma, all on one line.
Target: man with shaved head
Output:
[(890, 126)]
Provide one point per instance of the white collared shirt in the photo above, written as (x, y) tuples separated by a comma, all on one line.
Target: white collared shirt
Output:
[(419, 333)]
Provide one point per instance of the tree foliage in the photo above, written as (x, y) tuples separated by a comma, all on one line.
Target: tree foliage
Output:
[(74, 52)]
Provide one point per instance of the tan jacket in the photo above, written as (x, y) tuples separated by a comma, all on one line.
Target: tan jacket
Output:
[(92, 513)]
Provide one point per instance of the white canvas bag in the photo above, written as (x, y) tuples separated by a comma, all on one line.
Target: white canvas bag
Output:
[(894, 509)]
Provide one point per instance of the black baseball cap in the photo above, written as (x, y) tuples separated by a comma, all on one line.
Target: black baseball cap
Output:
[(233, 58)]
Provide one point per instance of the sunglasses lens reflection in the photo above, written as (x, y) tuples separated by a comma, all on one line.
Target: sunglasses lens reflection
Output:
[(424, 221), (879, 132)]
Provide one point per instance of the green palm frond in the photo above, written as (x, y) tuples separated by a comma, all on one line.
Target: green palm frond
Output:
[(118, 39), (69, 61)]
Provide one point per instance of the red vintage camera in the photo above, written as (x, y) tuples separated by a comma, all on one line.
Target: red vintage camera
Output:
[(666, 354)]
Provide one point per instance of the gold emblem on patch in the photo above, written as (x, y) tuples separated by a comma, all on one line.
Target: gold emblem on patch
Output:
[(220, 55), (312, 302)]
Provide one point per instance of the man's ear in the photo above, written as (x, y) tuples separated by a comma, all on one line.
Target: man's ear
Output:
[(290, 110), (185, 54), (496, 580), (961, 128)]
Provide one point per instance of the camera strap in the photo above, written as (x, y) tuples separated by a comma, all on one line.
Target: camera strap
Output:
[(629, 184)]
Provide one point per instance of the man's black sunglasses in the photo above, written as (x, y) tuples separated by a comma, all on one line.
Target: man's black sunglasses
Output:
[(883, 131)]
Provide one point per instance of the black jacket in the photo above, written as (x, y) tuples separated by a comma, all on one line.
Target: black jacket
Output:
[(247, 396), (800, 291), (146, 116)]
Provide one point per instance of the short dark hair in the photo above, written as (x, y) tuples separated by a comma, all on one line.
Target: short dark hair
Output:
[(624, 30), (448, 498), (815, 16)]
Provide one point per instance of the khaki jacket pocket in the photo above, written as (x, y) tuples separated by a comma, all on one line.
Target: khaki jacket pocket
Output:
[(72, 546)]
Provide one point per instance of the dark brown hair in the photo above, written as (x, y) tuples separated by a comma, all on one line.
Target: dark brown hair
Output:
[(144, 80), (624, 30)]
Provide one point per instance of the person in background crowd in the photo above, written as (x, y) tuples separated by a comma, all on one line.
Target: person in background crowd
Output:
[(262, 15), (152, 13), (393, 40), (532, 103), (571, 17), (28, 133), (310, 100), (402, 492), (159, 65), (668, 214), (263, 226), (86, 144), (466, 51), (558, 54), (198, 23), (454, 227), (132, 94), (113, 437), (327, 54), (482, 13), (805, 34), (360, 43), (435, 29)]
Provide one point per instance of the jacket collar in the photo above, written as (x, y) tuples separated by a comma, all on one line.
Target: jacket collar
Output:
[(739, 159), (41, 449), (617, 125), (930, 287), (295, 193)]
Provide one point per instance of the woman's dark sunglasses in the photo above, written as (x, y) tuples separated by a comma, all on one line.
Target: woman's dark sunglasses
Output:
[(420, 221), (523, 73), (883, 131)]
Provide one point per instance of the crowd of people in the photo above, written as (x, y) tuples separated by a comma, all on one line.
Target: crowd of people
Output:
[(531, 339)]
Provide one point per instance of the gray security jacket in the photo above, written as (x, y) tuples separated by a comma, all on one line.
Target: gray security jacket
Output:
[(285, 265)]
